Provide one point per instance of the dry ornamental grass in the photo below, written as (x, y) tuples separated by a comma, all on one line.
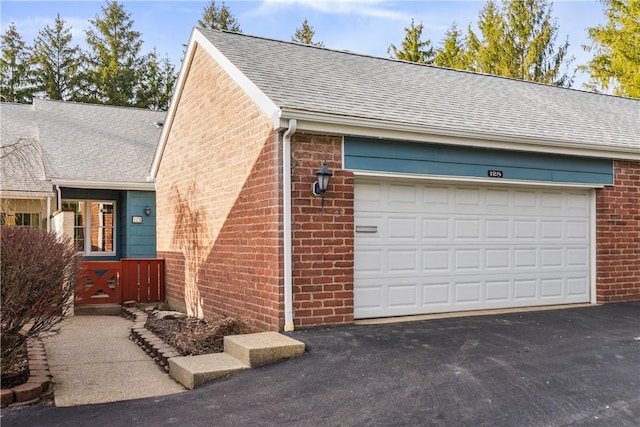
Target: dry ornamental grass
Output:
[(193, 336)]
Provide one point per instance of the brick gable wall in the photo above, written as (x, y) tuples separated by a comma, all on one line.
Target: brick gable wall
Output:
[(218, 202), (618, 236), (322, 242)]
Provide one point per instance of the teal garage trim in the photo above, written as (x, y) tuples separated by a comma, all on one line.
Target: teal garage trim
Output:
[(447, 160)]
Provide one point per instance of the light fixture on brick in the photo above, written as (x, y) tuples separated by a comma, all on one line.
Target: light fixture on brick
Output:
[(320, 186)]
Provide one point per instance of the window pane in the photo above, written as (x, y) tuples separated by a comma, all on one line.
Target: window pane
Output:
[(102, 221), (77, 208), (24, 219)]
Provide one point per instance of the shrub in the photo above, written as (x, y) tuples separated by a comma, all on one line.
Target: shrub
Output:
[(39, 273)]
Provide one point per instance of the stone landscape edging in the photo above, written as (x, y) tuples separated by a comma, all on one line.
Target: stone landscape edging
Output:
[(153, 345), (38, 385)]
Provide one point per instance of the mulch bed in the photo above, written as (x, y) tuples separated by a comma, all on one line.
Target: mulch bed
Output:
[(19, 371), (191, 336)]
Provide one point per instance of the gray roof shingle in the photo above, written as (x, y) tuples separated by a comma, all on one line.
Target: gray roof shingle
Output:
[(21, 162), (319, 80), (78, 142), (97, 142)]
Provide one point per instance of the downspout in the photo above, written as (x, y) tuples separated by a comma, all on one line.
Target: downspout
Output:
[(59, 201), (286, 195), (48, 213)]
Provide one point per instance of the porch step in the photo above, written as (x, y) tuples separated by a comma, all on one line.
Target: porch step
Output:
[(193, 371), (98, 310), (262, 348), (240, 352)]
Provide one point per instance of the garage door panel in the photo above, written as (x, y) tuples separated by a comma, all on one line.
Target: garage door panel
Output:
[(497, 259), (497, 198), (436, 261), (497, 229), (436, 294), (467, 292), (403, 196), (525, 229), (577, 286), (399, 228), (369, 261), (436, 228), (454, 248), (551, 230), (577, 230), (403, 261), (551, 288), (577, 257), (525, 289), (466, 260), (497, 291), (403, 296), (467, 228)]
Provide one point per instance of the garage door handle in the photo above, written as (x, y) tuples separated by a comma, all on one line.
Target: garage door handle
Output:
[(366, 228)]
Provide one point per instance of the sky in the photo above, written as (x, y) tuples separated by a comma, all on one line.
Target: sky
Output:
[(361, 26)]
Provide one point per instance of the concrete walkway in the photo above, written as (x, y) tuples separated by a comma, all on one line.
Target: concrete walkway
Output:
[(92, 360)]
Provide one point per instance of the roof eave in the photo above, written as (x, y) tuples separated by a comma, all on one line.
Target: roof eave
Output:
[(104, 185), (11, 194), (357, 126)]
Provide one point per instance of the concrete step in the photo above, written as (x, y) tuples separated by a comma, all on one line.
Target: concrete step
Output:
[(262, 348), (240, 352), (193, 371), (97, 310)]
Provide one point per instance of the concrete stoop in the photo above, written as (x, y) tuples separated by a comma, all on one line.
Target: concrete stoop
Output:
[(240, 352)]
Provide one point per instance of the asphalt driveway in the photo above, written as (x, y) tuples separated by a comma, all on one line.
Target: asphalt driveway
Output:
[(571, 367)]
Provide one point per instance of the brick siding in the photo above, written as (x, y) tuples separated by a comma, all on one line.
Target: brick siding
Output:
[(218, 203), (322, 243), (618, 236)]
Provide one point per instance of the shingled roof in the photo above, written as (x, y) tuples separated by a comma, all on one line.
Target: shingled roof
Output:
[(340, 84), (86, 145), (21, 163)]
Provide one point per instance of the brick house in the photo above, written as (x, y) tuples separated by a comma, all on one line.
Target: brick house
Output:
[(451, 190)]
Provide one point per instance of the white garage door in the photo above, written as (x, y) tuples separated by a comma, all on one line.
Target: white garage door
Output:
[(439, 248)]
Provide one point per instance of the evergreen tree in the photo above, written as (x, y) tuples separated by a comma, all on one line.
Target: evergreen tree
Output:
[(305, 35), (113, 61), (157, 83), (56, 62), (487, 56), (15, 72), (219, 18), (452, 54), (616, 48), (413, 48), (518, 41)]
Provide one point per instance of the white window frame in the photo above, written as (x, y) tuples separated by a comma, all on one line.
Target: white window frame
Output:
[(88, 226), (14, 215)]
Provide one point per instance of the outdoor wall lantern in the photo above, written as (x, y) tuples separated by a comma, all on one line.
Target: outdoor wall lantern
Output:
[(320, 186), (147, 211)]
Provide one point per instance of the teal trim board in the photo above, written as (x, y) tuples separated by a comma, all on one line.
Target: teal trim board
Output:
[(140, 236), (448, 160)]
